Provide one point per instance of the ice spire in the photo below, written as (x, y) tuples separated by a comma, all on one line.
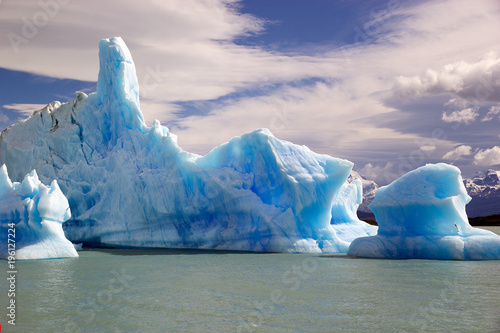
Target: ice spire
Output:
[(117, 82)]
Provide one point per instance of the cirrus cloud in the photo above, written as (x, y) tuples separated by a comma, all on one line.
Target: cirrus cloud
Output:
[(25, 109)]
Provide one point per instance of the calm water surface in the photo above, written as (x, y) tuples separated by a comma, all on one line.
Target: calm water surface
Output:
[(195, 291)]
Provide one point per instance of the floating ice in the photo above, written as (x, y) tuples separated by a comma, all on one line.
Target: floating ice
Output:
[(422, 215), (31, 217), (131, 185)]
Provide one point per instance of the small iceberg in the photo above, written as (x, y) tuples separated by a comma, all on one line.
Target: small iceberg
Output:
[(422, 215), (31, 216)]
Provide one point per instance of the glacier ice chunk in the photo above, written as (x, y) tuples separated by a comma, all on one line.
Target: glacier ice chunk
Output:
[(32, 214), (422, 215), (130, 185)]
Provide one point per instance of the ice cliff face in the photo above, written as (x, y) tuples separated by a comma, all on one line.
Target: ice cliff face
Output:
[(422, 215), (131, 185), (31, 217)]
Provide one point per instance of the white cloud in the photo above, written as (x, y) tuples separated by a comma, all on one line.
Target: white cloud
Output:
[(154, 109), (428, 148), (487, 157), (381, 174), (24, 109), (458, 152), (477, 81), (492, 113), (464, 116)]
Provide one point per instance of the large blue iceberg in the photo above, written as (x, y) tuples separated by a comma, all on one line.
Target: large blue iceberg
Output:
[(422, 215), (31, 217), (130, 185)]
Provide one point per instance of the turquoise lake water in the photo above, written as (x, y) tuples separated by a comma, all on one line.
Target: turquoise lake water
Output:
[(109, 290)]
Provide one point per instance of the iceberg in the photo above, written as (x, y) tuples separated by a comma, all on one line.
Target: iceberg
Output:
[(130, 185), (31, 216), (422, 215)]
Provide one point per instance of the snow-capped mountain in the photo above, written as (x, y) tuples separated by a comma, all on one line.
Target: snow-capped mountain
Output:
[(484, 188), (484, 184), (369, 190)]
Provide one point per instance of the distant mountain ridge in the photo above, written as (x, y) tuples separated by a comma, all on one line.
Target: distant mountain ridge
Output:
[(483, 187), (369, 190)]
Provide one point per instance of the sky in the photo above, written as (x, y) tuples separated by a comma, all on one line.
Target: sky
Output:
[(389, 85)]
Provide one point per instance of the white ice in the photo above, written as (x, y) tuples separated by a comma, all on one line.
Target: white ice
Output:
[(31, 217)]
